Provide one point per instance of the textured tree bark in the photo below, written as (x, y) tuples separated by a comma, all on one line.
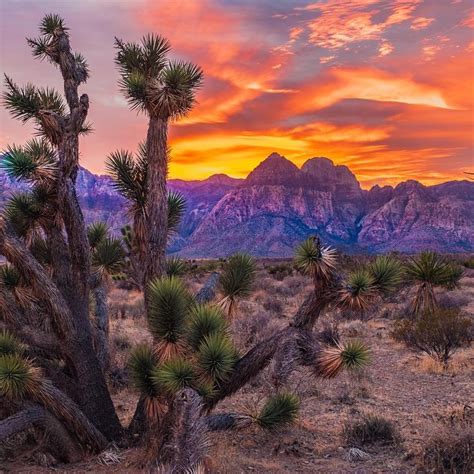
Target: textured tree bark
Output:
[(157, 199), (258, 358), (60, 442), (101, 335)]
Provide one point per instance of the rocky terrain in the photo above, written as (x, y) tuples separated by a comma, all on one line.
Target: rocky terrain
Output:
[(279, 204)]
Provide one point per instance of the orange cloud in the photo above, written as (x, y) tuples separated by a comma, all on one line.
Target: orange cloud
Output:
[(342, 23)]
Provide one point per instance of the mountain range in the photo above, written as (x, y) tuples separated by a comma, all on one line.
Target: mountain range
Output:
[(279, 204)]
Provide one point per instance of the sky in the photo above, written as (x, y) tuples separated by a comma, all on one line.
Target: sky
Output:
[(384, 87)]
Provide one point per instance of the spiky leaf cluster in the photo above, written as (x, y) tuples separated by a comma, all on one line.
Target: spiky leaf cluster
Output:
[(174, 375), (96, 233), (387, 273), (108, 256), (142, 364), (153, 84), (216, 356), (15, 376), (169, 304), (35, 162), (431, 268), (331, 360), (205, 320), (9, 344), (316, 260), (279, 410), (236, 279), (358, 291), (175, 266)]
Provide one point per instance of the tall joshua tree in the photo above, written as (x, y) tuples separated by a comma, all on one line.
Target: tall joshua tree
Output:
[(51, 211), (164, 90)]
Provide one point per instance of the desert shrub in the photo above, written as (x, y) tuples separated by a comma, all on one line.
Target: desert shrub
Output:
[(449, 452), (469, 263), (121, 342), (272, 305), (370, 429), (281, 271), (438, 334)]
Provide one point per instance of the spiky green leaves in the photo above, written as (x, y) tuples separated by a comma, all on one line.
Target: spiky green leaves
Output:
[(9, 344), (205, 320), (279, 410), (175, 266), (11, 280), (176, 208), (386, 272), (316, 260), (129, 177), (35, 162), (236, 280), (358, 291), (216, 356), (142, 364), (26, 102), (174, 375), (429, 270), (429, 267), (152, 83), (15, 376), (169, 307), (96, 233), (108, 257), (351, 355)]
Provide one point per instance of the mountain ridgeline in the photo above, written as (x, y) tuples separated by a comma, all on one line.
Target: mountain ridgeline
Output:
[(279, 204)]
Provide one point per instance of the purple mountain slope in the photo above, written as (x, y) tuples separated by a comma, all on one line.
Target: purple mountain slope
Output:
[(279, 204)]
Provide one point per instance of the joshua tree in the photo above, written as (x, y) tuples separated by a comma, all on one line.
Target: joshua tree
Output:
[(54, 261), (49, 217), (428, 270), (164, 90)]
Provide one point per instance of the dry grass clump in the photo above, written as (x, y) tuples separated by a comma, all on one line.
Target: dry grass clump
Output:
[(126, 304), (370, 429), (449, 452)]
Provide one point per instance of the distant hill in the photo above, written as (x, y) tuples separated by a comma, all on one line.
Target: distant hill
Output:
[(279, 204)]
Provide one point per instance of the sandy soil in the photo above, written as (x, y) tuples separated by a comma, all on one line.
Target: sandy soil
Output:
[(411, 391)]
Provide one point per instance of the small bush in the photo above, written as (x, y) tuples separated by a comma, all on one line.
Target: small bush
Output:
[(469, 263), (438, 334), (450, 452), (371, 429), (280, 271)]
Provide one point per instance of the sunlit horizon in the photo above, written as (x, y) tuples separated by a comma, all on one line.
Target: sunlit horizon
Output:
[(384, 87)]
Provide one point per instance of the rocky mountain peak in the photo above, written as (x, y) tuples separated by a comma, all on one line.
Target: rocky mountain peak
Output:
[(274, 170)]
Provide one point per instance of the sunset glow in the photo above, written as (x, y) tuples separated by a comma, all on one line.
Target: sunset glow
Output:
[(385, 87)]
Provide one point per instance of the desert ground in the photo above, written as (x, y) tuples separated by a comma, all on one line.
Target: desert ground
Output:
[(421, 401)]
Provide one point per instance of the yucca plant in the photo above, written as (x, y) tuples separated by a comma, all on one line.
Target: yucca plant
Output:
[(174, 375), (387, 273), (12, 281), (165, 90), (96, 233), (358, 291), (169, 306), (316, 260), (352, 355), (279, 410), (205, 319), (9, 344), (236, 280), (175, 266), (216, 356), (429, 270)]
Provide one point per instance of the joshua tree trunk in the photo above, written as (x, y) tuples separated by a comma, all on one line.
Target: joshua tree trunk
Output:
[(60, 441), (157, 201), (101, 335)]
